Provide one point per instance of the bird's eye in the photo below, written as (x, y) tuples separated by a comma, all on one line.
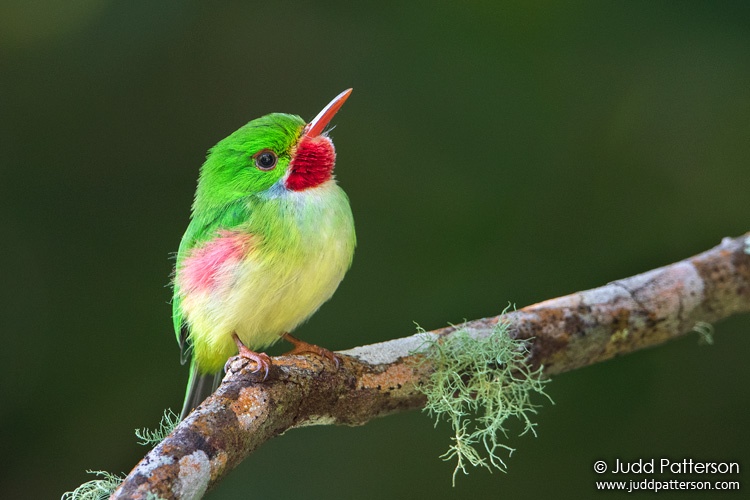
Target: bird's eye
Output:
[(265, 159)]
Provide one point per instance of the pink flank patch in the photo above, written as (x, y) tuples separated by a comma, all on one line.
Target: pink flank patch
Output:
[(205, 266), (312, 164)]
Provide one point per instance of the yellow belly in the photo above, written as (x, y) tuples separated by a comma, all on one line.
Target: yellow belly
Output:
[(278, 285)]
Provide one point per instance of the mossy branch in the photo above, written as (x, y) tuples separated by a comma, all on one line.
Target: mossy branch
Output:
[(559, 335)]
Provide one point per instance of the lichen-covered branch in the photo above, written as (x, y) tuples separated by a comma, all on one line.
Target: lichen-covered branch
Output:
[(562, 334)]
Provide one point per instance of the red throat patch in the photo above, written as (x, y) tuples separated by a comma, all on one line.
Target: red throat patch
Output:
[(312, 163)]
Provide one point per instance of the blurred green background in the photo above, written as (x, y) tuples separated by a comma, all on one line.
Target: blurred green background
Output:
[(493, 152)]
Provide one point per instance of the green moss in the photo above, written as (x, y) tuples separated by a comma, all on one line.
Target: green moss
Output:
[(101, 489), (96, 489), (620, 335), (705, 333), (477, 385), (167, 424)]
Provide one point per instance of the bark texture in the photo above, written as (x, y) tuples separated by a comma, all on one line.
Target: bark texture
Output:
[(563, 334)]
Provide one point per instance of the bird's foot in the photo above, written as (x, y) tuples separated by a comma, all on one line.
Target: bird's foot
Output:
[(261, 359), (301, 347)]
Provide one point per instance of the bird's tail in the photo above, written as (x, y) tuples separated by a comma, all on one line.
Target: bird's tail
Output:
[(199, 388)]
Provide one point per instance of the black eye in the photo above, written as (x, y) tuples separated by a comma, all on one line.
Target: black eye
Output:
[(265, 159)]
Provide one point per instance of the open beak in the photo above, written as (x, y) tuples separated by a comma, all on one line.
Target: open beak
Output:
[(316, 126)]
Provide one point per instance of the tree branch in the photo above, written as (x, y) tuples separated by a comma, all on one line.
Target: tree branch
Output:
[(562, 334)]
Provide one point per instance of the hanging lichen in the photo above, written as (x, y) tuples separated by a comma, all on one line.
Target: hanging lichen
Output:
[(477, 385)]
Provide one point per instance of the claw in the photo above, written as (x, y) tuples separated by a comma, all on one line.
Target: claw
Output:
[(301, 347), (261, 359)]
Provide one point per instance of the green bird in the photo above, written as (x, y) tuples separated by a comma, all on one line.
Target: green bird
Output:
[(270, 238)]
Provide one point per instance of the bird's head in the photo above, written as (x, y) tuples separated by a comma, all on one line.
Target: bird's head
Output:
[(271, 154)]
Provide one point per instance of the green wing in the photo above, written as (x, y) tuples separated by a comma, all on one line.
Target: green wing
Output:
[(203, 226), (189, 240)]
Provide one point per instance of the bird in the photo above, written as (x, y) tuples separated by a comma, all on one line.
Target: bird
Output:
[(271, 236)]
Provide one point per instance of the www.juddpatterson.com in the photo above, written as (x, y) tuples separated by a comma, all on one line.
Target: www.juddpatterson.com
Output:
[(669, 467), (656, 485)]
